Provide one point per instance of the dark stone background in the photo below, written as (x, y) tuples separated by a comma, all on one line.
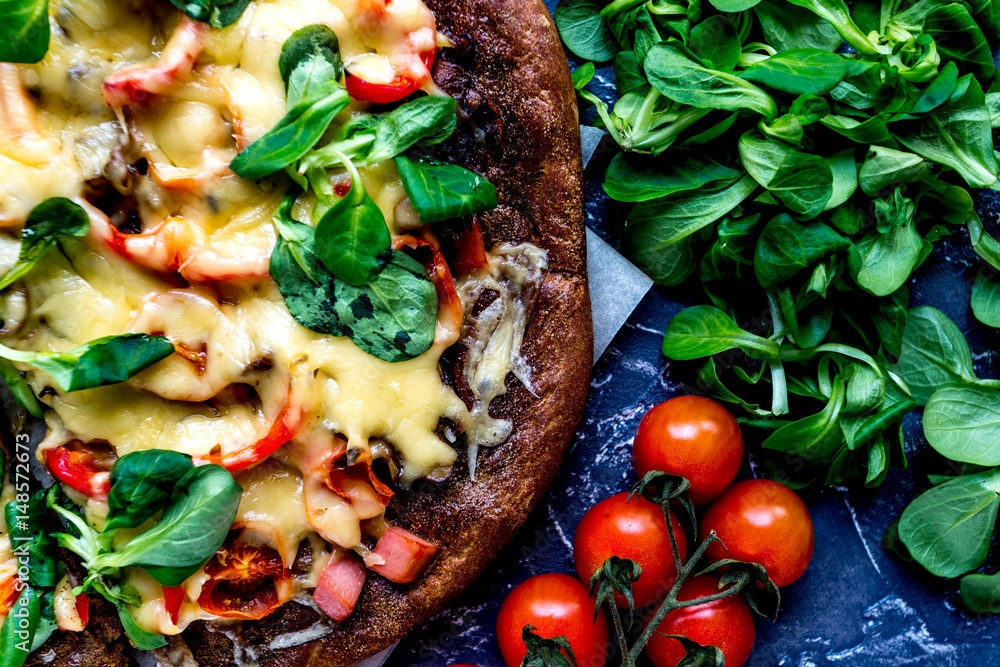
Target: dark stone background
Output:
[(855, 606)]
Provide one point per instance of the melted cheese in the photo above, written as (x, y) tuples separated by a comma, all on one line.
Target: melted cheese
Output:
[(493, 337), (272, 508)]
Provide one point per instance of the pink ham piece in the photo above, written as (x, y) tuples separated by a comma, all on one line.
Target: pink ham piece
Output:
[(339, 587), (404, 554)]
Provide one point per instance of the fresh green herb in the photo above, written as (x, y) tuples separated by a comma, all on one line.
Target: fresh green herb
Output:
[(302, 279), (24, 37), (657, 231), (310, 66), (17, 638), (46, 224), (142, 484), (583, 29), (948, 528), (679, 78), (142, 639), (688, 170), (986, 299), (799, 71), (36, 550), (294, 135), (195, 521), (981, 593), (394, 316), (934, 354), (20, 389), (440, 191), (366, 140), (34, 545), (310, 58), (216, 14), (100, 362), (963, 424), (805, 257), (352, 238)]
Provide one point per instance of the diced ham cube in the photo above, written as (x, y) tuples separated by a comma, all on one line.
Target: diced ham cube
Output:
[(339, 587), (404, 554)]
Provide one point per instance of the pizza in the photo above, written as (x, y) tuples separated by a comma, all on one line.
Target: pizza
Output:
[(298, 289)]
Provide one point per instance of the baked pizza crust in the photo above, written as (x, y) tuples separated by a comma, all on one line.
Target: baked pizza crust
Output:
[(520, 130)]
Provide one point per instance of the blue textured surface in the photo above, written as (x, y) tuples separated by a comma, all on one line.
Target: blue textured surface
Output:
[(855, 606)]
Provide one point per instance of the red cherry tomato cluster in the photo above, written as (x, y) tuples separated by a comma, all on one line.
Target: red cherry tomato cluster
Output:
[(758, 521)]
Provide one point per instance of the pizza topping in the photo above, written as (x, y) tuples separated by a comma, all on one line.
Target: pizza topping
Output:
[(403, 39), (245, 582), (492, 337), (211, 351), (340, 586), (72, 611), (140, 84), (299, 385), (471, 250), (84, 468), (271, 508), (9, 584), (404, 556)]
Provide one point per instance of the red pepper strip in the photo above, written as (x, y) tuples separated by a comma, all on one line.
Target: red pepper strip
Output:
[(76, 468), (173, 597), (440, 274), (282, 430), (471, 251), (386, 93), (83, 609), (243, 582), (8, 593)]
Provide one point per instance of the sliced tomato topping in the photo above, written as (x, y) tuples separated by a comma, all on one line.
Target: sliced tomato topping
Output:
[(340, 587), (405, 555), (243, 582), (173, 597), (77, 466), (440, 274), (471, 250), (386, 93)]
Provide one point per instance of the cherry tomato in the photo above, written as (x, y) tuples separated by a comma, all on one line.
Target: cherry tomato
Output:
[(617, 527), (693, 437), (725, 623), (555, 604), (386, 93), (764, 522), (243, 583)]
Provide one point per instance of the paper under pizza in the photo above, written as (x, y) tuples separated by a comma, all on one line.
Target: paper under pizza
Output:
[(298, 288)]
